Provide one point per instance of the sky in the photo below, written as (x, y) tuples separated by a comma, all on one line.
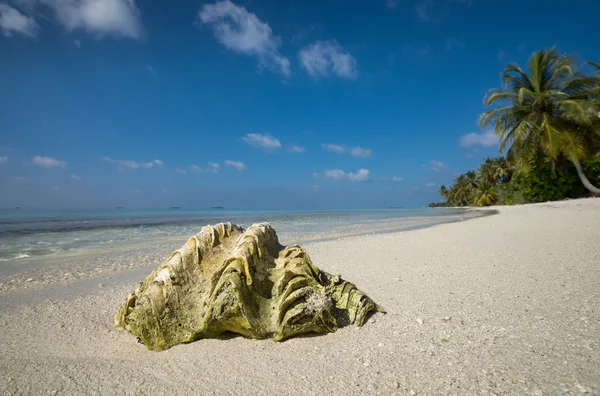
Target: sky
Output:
[(258, 104)]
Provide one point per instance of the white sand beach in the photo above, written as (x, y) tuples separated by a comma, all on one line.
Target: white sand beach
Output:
[(503, 304)]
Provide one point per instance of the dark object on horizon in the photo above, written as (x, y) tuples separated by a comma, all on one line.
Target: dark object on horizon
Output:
[(120, 207), (17, 208), (175, 207), (396, 207), (217, 207), (438, 205)]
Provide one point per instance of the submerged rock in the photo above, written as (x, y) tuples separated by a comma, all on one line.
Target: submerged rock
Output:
[(226, 278)]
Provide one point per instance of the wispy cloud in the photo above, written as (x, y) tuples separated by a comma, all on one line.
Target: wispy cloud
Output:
[(212, 167), (397, 179), (181, 171), (485, 139), (438, 166), (354, 151), (75, 177), (134, 164), (501, 56), (325, 58), (296, 149), (262, 141), (429, 185), (240, 166), (334, 148), (417, 50), (243, 32), (119, 18), (362, 175), (48, 162), (453, 43), (135, 191), (22, 180), (152, 71), (13, 22), (436, 11), (3, 159), (391, 3)]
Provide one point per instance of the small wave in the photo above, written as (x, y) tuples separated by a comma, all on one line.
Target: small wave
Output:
[(21, 256)]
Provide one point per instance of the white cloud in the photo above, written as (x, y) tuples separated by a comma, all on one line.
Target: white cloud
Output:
[(354, 151), (181, 171), (75, 177), (119, 18), (438, 166), (361, 152), (211, 168), (134, 164), (22, 180), (429, 185), (335, 174), (397, 179), (334, 148), (243, 32), (296, 149), (485, 139), (3, 159), (262, 141), (315, 188), (48, 162), (12, 21), (362, 175), (235, 164), (325, 58)]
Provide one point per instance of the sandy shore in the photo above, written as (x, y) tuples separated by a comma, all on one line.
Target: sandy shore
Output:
[(505, 304)]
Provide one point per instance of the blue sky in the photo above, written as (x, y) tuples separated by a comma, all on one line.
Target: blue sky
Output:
[(258, 103)]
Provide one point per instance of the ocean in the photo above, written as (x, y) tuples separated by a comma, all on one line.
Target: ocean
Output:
[(39, 239), (31, 232)]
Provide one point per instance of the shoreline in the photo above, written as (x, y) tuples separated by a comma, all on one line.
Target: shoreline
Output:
[(35, 272), (503, 304)]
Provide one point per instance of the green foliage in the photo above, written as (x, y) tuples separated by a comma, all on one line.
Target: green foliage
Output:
[(548, 120)]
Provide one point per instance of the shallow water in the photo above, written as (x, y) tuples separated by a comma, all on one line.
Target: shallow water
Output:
[(32, 238)]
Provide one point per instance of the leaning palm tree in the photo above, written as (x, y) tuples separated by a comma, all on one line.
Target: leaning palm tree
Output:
[(545, 113), (485, 194)]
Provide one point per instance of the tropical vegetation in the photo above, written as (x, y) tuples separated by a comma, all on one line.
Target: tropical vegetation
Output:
[(547, 119)]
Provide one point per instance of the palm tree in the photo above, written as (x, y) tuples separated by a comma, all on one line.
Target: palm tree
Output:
[(443, 192), (488, 171), (545, 113), (485, 194)]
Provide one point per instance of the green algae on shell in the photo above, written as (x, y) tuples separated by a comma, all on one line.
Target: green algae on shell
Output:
[(226, 278)]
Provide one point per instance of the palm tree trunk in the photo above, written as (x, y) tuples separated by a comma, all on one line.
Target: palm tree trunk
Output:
[(594, 190)]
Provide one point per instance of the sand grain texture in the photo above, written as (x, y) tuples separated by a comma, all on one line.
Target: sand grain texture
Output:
[(506, 304)]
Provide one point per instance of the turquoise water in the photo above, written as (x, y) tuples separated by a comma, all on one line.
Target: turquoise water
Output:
[(33, 233)]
